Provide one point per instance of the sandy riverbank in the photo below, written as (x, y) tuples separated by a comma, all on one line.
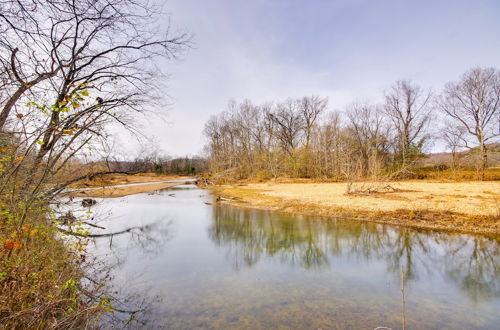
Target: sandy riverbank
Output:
[(108, 185), (472, 207), (111, 192), (118, 179)]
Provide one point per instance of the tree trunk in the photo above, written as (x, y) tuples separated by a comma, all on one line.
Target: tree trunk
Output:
[(484, 160)]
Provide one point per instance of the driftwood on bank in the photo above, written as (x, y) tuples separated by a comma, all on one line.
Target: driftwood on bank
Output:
[(223, 199)]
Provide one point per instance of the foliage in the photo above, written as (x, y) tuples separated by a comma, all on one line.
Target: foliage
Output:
[(40, 277)]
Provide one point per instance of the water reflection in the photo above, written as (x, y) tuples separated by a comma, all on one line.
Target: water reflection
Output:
[(148, 238), (247, 236), (217, 266), (474, 265)]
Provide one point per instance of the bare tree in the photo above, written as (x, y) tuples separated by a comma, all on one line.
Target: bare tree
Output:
[(311, 108), (69, 69), (473, 104), (454, 139), (25, 46), (407, 106), (327, 143), (97, 60), (289, 124), (370, 135)]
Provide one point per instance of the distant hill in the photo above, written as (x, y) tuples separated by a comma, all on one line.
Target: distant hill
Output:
[(466, 158)]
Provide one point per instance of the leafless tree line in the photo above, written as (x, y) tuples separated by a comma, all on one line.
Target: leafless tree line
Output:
[(161, 165), (300, 138)]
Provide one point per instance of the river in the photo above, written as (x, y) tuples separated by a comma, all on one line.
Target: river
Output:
[(197, 264)]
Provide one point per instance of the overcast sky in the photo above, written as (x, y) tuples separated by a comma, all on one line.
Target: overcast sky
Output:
[(347, 50)]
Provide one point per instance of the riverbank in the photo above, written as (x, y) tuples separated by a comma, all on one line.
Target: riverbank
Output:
[(470, 207), (119, 179), (120, 185), (112, 192)]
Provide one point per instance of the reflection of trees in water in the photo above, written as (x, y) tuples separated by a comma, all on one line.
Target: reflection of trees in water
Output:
[(473, 263), (403, 247), (247, 235), (132, 301), (149, 238)]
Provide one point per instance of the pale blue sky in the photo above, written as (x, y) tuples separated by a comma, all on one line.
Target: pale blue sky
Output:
[(346, 50)]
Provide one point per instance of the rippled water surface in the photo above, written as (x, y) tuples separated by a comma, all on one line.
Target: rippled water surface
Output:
[(218, 266)]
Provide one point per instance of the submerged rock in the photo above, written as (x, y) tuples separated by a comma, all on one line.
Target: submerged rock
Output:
[(88, 202)]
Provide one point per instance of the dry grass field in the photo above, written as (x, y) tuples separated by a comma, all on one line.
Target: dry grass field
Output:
[(471, 198), (461, 206)]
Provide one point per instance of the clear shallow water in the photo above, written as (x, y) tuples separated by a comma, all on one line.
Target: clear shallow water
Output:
[(218, 266)]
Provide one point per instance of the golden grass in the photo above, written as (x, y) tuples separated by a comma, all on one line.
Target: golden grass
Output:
[(464, 207), (429, 173)]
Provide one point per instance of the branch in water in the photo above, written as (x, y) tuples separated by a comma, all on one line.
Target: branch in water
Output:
[(100, 235)]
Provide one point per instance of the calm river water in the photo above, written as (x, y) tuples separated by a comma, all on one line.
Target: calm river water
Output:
[(218, 267)]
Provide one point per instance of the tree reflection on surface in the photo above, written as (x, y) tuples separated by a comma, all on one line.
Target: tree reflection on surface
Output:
[(470, 262)]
